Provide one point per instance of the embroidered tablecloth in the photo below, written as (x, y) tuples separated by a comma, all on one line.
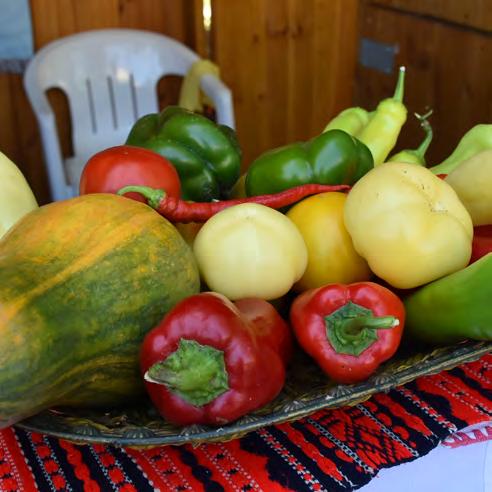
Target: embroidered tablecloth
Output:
[(333, 450)]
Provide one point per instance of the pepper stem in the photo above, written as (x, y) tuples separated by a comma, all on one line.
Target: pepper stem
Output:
[(400, 85), (152, 195), (429, 134), (195, 372), (352, 328)]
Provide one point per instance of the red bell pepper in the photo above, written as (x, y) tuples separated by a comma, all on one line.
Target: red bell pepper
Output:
[(349, 330), (111, 169), (211, 361), (482, 242)]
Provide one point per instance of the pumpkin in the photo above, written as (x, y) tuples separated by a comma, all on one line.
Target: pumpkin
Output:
[(82, 281)]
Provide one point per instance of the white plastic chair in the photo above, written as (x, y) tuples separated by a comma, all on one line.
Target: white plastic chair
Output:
[(110, 78)]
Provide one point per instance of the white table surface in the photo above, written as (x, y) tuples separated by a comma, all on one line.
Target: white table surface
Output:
[(465, 468)]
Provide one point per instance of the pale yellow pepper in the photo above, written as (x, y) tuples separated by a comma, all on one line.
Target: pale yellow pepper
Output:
[(250, 250), (472, 181), (331, 254), (16, 197), (408, 224)]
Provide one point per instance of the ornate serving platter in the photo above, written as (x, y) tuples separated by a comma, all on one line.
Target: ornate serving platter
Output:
[(306, 391)]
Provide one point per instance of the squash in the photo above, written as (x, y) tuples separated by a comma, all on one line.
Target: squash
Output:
[(82, 281)]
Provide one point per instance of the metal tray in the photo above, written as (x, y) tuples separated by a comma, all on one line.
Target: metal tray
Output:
[(306, 391)]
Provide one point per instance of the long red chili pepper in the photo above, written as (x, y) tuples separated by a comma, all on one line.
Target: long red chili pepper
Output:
[(176, 210)]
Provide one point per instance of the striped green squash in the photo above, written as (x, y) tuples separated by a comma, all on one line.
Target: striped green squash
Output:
[(81, 282)]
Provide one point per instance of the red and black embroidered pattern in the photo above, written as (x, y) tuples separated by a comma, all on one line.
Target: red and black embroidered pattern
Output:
[(335, 450)]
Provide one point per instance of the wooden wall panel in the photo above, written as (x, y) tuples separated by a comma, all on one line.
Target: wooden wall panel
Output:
[(19, 136), (51, 19), (475, 13), (55, 18), (8, 136), (448, 69), (290, 65), (201, 38)]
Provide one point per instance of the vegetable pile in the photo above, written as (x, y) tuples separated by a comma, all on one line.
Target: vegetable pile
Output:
[(104, 298)]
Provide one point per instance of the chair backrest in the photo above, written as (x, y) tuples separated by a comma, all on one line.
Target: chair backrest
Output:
[(110, 78)]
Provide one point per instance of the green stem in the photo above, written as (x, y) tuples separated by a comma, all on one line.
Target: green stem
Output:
[(400, 86), (195, 372), (429, 134), (152, 195), (353, 328)]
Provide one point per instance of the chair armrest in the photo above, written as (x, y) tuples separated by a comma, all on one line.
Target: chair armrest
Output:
[(216, 90)]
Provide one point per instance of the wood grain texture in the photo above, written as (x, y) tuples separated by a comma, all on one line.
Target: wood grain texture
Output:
[(201, 42), (290, 65), (52, 19), (19, 135), (476, 14), (448, 70)]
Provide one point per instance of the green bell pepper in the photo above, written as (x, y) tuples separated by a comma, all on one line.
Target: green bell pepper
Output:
[(454, 308), (207, 156), (334, 157)]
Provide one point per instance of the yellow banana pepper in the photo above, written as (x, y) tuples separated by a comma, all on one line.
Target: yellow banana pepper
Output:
[(331, 254), (408, 224), (472, 181), (16, 197), (381, 132), (191, 96)]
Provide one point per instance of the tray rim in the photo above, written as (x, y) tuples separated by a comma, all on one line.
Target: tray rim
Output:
[(195, 435)]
